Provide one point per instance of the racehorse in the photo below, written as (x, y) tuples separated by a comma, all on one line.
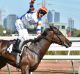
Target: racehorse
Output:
[(34, 52)]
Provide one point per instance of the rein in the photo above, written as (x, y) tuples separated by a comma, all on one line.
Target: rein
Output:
[(53, 41), (46, 39), (34, 52)]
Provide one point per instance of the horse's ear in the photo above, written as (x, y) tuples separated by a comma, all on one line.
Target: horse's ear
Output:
[(51, 27), (44, 33)]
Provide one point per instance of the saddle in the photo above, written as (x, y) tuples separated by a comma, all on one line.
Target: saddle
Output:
[(6, 43)]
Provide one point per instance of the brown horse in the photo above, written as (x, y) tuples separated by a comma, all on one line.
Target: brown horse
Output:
[(32, 54)]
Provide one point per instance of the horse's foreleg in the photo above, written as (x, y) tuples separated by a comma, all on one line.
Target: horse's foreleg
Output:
[(2, 62), (25, 69), (2, 65)]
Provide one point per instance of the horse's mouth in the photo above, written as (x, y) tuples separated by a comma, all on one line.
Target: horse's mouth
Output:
[(67, 45)]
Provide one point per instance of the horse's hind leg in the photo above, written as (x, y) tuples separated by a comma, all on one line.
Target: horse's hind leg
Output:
[(2, 62)]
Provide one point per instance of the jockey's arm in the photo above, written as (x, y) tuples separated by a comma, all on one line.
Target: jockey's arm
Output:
[(38, 28), (31, 7)]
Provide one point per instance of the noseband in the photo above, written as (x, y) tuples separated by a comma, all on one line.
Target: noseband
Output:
[(61, 42)]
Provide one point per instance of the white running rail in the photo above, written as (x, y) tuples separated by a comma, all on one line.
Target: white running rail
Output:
[(54, 47)]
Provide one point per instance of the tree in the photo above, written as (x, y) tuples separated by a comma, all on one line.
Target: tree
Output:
[(1, 30)]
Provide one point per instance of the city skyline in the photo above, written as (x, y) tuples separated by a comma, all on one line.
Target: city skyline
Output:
[(53, 16), (67, 9)]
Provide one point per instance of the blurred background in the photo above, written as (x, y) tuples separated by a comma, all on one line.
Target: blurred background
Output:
[(64, 15)]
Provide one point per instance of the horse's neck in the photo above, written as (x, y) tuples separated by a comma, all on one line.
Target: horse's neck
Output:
[(41, 47), (44, 48)]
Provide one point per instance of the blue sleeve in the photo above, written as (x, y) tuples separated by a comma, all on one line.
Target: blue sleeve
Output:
[(31, 9)]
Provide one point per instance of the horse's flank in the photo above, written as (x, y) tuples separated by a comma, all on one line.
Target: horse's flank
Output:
[(4, 44)]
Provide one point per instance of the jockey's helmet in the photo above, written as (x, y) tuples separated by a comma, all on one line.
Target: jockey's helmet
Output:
[(43, 10)]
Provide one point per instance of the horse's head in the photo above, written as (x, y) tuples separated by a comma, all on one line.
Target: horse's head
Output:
[(53, 35)]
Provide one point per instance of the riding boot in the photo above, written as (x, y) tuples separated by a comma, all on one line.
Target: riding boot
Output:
[(16, 46), (18, 55), (17, 59)]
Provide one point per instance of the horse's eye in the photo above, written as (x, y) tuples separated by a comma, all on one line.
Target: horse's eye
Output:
[(59, 33)]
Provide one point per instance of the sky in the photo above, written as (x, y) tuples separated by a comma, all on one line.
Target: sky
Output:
[(67, 8)]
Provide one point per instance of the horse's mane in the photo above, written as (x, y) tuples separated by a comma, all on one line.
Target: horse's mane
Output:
[(33, 40), (43, 34)]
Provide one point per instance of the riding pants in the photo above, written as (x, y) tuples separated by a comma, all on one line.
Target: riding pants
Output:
[(23, 33)]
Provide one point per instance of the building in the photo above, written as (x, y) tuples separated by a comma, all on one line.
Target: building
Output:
[(54, 19), (71, 26), (70, 23), (1, 17), (57, 17), (50, 16), (5, 23), (62, 27), (9, 22), (53, 16)]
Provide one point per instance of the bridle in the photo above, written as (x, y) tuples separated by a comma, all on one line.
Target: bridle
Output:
[(61, 42), (47, 40)]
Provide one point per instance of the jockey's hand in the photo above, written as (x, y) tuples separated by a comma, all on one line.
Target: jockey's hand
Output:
[(32, 1)]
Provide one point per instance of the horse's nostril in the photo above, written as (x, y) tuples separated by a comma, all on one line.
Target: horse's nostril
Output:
[(70, 43)]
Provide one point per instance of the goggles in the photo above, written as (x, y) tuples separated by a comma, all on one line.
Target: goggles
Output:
[(42, 12)]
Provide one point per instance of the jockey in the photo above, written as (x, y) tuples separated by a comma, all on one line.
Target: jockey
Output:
[(31, 17)]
